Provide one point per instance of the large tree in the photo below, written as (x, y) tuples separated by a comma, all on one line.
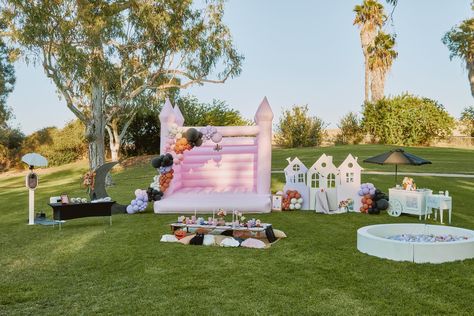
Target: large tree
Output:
[(102, 55), (381, 57), (460, 42), (7, 81), (370, 17)]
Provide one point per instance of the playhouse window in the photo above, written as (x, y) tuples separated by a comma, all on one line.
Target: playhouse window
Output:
[(296, 167), (315, 180), (331, 180), (301, 177), (350, 177)]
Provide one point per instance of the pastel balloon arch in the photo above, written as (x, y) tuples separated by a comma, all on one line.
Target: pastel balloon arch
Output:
[(234, 176)]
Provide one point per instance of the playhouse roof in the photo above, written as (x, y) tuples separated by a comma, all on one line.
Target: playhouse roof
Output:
[(350, 159), (289, 169), (328, 168)]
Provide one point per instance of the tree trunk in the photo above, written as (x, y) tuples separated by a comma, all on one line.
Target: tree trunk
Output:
[(366, 77), (115, 140), (367, 37), (377, 85), (470, 68), (95, 128)]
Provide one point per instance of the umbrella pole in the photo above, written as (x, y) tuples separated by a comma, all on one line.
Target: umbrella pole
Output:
[(396, 169)]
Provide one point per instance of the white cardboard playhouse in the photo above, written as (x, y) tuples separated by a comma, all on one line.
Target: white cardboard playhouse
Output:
[(336, 183), (236, 177)]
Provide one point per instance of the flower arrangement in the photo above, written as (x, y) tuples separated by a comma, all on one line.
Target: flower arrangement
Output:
[(88, 181), (408, 184), (347, 205)]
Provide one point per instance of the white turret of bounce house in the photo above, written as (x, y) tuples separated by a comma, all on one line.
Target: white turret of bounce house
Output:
[(236, 176)]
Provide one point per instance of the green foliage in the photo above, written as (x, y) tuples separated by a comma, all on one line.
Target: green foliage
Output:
[(297, 128), (10, 146), (460, 41), (59, 146), (406, 120), (381, 51), (351, 129), (467, 120), (217, 113)]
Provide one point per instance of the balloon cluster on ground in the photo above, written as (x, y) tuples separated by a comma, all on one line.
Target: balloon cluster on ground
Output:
[(292, 200), (373, 200), (140, 202)]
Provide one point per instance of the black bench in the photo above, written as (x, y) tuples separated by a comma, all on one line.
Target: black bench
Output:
[(79, 210)]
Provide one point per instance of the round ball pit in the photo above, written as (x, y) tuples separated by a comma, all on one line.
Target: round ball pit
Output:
[(372, 241)]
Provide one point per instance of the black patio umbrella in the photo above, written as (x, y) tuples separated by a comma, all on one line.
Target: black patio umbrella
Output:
[(397, 157)]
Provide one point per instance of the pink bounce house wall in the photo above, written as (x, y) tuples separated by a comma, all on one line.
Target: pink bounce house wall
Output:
[(237, 177)]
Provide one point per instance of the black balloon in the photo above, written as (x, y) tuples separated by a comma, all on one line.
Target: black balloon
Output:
[(198, 142), (382, 204), (192, 135), (375, 211), (156, 162)]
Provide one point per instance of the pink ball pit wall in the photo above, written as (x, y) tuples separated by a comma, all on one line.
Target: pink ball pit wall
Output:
[(372, 241), (236, 177)]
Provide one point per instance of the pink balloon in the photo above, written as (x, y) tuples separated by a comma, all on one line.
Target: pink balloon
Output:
[(176, 161), (172, 147), (180, 156)]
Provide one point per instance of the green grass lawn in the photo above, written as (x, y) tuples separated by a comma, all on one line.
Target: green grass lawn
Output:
[(90, 267)]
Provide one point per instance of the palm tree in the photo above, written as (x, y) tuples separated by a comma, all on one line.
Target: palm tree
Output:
[(460, 42), (381, 57), (369, 17)]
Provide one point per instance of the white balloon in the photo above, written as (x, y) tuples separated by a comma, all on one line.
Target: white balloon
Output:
[(216, 138), (300, 200), (293, 201), (297, 206), (292, 206)]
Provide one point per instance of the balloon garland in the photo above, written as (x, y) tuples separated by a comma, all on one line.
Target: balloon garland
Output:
[(373, 200), (179, 141)]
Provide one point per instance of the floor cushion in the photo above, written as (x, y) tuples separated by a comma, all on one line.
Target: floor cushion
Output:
[(186, 240), (253, 243), (279, 234), (169, 238), (209, 240), (230, 242)]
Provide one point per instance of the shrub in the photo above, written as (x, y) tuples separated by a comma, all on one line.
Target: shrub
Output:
[(406, 120), (10, 145), (467, 121), (297, 129), (351, 129), (59, 146)]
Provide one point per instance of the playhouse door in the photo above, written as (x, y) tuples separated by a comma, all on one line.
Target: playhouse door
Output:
[(314, 187), (332, 199)]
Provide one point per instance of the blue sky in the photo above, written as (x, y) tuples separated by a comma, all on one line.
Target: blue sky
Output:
[(302, 52)]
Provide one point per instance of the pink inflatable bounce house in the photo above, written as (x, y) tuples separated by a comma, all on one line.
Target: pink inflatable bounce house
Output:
[(236, 176)]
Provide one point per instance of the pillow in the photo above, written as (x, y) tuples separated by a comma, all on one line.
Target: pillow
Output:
[(186, 240), (229, 242), (218, 239), (169, 238), (279, 234), (209, 240), (253, 243), (197, 240)]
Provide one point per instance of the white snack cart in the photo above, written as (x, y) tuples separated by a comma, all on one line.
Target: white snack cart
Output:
[(409, 202)]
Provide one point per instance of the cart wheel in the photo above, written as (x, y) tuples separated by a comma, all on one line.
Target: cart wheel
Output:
[(395, 208)]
